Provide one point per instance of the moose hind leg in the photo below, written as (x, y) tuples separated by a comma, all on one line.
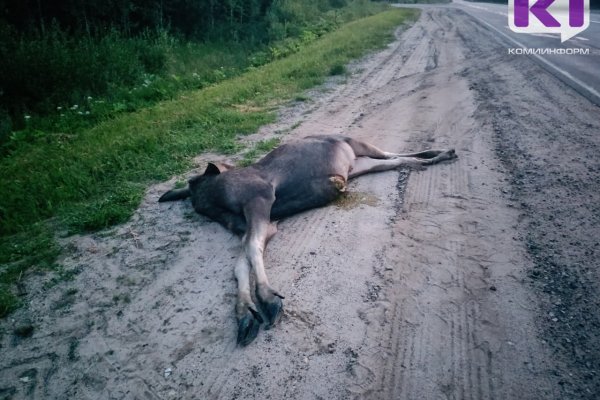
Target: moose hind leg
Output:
[(366, 165), (364, 149), (442, 155)]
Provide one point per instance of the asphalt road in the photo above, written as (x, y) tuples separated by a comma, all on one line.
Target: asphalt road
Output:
[(581, 72)]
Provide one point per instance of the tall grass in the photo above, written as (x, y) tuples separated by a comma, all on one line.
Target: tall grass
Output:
[(59, 83), (44, 76), (39, 73), (96, 178)]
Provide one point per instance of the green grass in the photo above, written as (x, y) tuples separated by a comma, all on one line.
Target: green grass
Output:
[(72, 108), (64, 81), (97, 178)]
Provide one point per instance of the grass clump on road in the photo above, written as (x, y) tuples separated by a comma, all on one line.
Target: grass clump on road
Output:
[(97, 178)]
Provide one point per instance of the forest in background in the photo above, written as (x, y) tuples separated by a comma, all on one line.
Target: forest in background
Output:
[(68, 65)]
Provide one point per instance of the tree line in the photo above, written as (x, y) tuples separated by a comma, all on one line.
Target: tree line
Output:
[(197, 19), (57, 52)]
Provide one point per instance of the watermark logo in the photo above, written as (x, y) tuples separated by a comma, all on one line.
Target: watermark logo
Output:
[(567, 17)]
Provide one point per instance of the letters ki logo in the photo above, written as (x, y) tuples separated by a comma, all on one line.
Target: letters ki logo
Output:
[(567, 17)]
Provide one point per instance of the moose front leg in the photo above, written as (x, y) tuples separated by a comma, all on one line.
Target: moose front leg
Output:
[(268, 298), (248, 317), (260, 230)]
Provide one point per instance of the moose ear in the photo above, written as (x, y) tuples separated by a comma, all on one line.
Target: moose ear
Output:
[(212, 169), (217, 167)]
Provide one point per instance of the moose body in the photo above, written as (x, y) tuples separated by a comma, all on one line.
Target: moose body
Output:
[(294, 177)]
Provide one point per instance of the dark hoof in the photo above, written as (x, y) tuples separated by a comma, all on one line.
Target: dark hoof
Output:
[(272, 310), (248, 327), (444, 156)]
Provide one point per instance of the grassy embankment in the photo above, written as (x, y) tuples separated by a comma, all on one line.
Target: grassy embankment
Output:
[(95, 179)]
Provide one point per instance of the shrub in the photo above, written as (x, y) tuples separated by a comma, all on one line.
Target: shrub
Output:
[(40, 73), (337, 69)]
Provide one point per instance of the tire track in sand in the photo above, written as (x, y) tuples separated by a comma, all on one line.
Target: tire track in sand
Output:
[(455, 332)]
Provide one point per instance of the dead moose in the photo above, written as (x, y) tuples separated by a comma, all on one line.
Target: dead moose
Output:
[(294, 177)]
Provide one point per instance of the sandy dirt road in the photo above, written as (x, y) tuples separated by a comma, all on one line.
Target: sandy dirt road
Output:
[(475, 279)]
